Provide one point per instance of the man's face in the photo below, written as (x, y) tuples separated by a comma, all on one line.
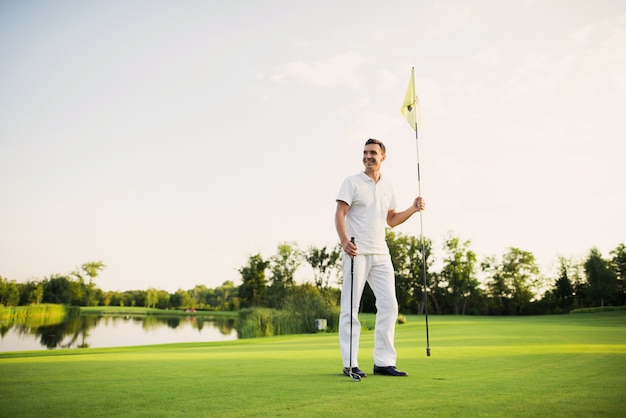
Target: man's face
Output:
[(373, 157)]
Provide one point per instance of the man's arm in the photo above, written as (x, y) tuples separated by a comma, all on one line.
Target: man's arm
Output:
[(396, 218), (340, 225)]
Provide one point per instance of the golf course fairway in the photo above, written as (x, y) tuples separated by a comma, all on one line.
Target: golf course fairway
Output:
[(533, 366)]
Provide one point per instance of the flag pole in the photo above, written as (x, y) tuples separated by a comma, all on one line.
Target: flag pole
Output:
[(411, 111), (419, 192)]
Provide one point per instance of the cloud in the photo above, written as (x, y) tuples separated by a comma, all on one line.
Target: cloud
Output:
[(339, 70), (452, 16), (538, 74), (611, 53)]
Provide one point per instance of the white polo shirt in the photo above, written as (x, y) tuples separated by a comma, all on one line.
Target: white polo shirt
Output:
[(367, 217)]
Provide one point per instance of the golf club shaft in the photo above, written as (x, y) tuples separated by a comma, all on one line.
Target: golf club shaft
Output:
[(352, 309)]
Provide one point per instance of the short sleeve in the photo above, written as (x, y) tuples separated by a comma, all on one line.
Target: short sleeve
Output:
[(346, 192)]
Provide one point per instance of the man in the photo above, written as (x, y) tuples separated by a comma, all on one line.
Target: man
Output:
[(366, 204)]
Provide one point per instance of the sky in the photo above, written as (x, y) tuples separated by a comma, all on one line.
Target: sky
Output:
[(174, 140)]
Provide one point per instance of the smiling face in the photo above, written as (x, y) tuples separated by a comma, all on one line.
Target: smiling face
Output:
[(373, 156)]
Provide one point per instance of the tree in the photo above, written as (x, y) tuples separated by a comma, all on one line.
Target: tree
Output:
[(181, 299), (78, 290), (325, 263), (252, 289), (200, 296), (36, 294), (163, 300), (225, 297), (152, 298), (406, 256), (284, 263), (602, 280), (563, 292), (511, 283), (498, 292), (9, 293), (57, 289), (618, 265), (134, 298), (31, 292), (459, 271), (91, 270), (283, 266), (520, 270)]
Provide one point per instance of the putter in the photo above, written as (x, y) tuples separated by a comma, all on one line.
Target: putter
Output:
[(353, 375)]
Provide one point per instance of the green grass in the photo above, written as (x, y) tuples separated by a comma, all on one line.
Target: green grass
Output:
[(546, 366), (47, 312)]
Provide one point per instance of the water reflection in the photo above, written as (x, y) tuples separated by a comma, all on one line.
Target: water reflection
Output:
[(97, 331)]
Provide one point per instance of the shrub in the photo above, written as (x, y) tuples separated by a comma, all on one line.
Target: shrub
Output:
[(599, 309), (300, 309)]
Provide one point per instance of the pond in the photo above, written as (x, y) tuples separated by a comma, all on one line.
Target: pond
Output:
[(99, 331)]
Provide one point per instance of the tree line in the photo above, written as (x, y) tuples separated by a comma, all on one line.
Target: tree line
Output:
[(508, 285)]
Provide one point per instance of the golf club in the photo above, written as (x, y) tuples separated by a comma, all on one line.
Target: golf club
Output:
[(354, 376)]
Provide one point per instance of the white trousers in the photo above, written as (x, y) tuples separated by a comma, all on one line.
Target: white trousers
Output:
[(377, 270)]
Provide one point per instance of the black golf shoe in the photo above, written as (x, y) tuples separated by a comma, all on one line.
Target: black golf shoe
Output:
[(389, 371), (355, 370)]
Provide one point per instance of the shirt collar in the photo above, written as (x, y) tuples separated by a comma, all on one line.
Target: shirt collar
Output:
[(368, 178)]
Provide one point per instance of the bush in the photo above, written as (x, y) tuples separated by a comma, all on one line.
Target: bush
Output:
[(265, 322), (599, 309), (300, 309), (307, 303)]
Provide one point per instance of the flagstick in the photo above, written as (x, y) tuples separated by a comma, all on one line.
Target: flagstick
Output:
[(410, 107), (419, 191)]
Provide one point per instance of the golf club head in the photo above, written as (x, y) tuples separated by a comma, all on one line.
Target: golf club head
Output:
[(355, 377), (428, 351)]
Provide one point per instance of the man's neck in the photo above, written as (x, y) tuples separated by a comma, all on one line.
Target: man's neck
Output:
[(373, 174)]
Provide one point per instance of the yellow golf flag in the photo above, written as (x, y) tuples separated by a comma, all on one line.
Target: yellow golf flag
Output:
[(411, 106)]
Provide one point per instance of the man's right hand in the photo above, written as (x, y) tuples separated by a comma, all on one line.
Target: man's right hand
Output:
[(349, 248)]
